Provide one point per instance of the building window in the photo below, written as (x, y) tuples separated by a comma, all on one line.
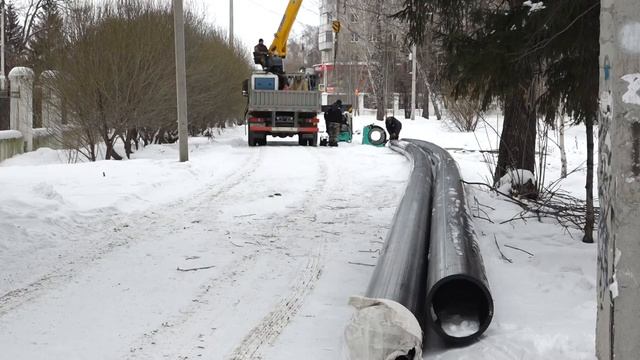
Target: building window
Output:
[(373, 38), (353, 17), (355, 37), (328, 36)]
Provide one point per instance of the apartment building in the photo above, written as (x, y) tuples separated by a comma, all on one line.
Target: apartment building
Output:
[(369, 46)]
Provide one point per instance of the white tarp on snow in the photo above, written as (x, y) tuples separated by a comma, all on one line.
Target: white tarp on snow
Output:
[(381, 329)]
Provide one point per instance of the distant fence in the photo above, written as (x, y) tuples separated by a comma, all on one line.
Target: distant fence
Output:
[(11, 143), (43, 137), (16, 114), (362, 105), (400, 113)]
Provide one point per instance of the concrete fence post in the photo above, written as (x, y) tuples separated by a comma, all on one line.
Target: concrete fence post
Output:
[(360, 103), (21, 80)]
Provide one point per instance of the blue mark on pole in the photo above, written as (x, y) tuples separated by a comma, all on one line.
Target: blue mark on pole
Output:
[(607, 68)]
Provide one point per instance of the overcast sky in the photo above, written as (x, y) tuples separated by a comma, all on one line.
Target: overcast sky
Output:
[(256, 19)]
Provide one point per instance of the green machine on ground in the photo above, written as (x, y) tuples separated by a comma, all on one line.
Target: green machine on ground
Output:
[(346, 129), (374, 135)]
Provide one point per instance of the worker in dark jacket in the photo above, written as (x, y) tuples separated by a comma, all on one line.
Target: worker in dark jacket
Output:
[(393, 126), (260, 53), (333, 119), (261, 47)]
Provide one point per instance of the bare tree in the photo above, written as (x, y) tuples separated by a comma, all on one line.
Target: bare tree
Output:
[(303, 49), (381, 46), (116, 78)]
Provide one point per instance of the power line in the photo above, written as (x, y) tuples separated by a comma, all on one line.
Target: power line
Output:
[(310, 10), (277, 13), (264, 7)]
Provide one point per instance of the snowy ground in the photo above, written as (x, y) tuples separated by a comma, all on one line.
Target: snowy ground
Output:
[(95, 258)]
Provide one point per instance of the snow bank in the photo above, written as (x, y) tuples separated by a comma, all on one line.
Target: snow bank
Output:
[(534, 6), (514, 179), (545, 302)]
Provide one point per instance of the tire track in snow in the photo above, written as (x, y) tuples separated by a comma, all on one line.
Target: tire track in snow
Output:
[(119, 232), (206, 302), (272, 325), (232, 181), (267, 331)]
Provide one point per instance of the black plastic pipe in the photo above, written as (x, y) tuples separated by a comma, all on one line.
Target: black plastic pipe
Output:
[(430, 262), (458, 306), (402, 266)]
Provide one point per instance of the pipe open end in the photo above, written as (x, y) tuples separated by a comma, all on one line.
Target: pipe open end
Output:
[(460, 309)]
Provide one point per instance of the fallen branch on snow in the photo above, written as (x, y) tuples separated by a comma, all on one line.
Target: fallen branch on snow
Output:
[(517, 248), (500, 251), (196, 269), (363, 264), (568, 210)]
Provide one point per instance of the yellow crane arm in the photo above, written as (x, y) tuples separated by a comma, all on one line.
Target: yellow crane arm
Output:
[(279, 45)]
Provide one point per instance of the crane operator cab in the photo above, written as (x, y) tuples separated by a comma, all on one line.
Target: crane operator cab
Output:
[(270, 63), (271, 59), (272, 68)]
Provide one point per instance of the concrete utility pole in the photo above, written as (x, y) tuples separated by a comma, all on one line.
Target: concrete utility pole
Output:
[(617, 332), (3, 78), (413, 81), (181, 80), (231, 23), (335, 50)]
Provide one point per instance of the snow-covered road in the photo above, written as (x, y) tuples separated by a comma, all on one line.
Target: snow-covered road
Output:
[(266, 232), (90, 252)]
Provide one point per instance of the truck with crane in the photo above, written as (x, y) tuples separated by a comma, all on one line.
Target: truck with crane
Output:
[(280, 104)]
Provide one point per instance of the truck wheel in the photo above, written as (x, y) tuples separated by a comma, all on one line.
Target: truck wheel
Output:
[(302, 141), (313, 141), (256, 139)]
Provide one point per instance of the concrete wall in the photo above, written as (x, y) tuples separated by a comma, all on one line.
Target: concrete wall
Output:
[(11, 143), (22, 136), (43, 137)]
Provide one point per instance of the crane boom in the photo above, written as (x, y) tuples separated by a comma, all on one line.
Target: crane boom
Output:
[(279, 45)]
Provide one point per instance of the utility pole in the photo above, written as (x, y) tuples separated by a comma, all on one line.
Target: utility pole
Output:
[(181, 80), (231, 23), (413, 81), (617, 330), (3, 78), (335, 49)]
